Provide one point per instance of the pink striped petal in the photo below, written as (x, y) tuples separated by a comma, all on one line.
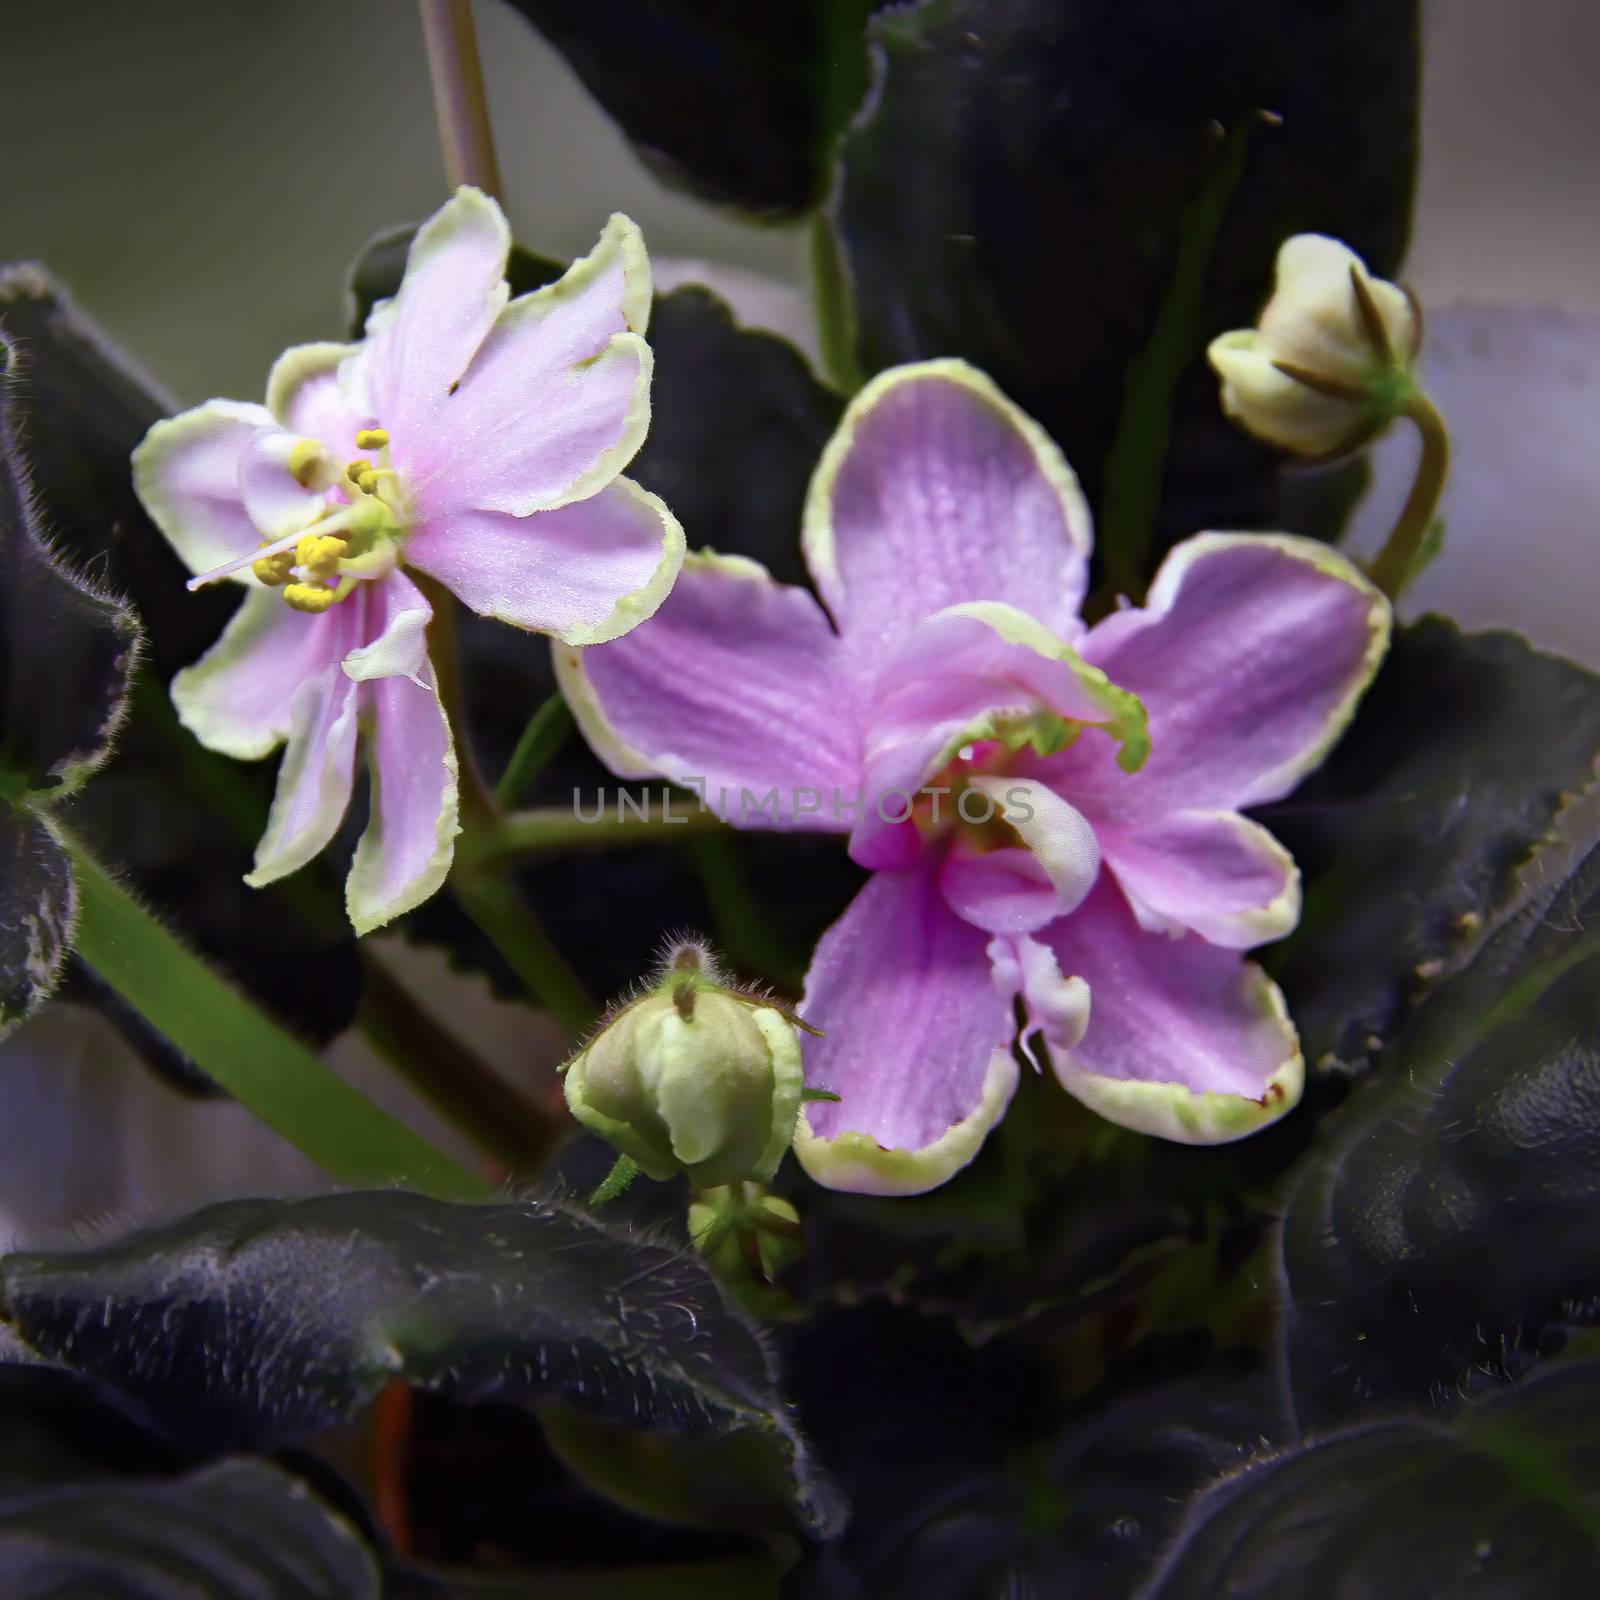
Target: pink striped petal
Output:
[(586, 572), (1250, 658), (916, 1042), (1184, 1040), (734, 687), (936, 490), (1214, 873)]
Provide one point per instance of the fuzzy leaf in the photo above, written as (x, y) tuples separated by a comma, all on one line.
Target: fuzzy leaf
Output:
[(238, 1530), (255, 1321), (737, 103), (1411, 835), (38, 904), (1454, 1215), (1503, 1500), (1015, 192)]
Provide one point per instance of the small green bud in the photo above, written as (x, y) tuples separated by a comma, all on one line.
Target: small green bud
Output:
[(693, 1077), (1329, 362)]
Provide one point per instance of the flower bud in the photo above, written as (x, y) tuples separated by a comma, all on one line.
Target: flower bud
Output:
[(1328, 364), (692, 1077)]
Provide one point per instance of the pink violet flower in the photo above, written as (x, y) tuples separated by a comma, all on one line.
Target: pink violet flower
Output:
[(1116, 883), (475, 438)]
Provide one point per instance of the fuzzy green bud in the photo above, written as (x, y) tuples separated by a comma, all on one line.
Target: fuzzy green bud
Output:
[(694, 1077)]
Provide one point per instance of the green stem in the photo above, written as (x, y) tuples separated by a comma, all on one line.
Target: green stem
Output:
[(245, 1052), (506, 922), (1134, 462), (518, 1132), (547, 730), (1396, 563), (459, 100), (526, 833)]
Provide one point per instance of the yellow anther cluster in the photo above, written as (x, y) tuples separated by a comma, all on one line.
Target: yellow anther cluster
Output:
[(372, 439), (309, 465), (273, 570), (319, 553), (312, 597)]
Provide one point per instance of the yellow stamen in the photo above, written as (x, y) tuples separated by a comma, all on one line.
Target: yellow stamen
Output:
[(319, 554), (309, 465), (312, 597), (274, 569), (372, 439), (368, 481), (354, 469)]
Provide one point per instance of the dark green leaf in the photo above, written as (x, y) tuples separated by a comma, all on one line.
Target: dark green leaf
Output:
[(258, 1321), (1455, 1214), (1015, 193), (1411, 834), (738, 103), (239, 1530), (38, 904), (738, 421), (66, 646), (1503, 1501)]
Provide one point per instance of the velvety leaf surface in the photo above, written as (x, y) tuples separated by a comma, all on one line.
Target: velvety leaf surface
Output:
[(1411, 834), (37, 901), (259, 1321), (238, 1530), (67, 646), (1502, 1501), (736, 103), (1014, 192), (1455, 1213), (180, 821)]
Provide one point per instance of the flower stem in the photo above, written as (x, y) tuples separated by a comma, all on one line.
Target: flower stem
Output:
[(526, 833), (517, 1131), (547, 730), (458, 96), (1396, 563), (506, 922)]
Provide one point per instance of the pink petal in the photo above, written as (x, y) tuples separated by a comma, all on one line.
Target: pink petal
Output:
[(186, 473), (916, 1042), (959, 678), (934, 491), (1249, 658), (305, 395), (404, 855), (1002, 894), (735, 686), (557, 401), (1057, 1007), (273, 500), (586, 572), (419, 344), (314, 780), (237, 697), (1212, 872), (1184, 1040)]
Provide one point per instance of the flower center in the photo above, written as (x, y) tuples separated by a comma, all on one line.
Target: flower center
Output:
[(347, 539), (951, 803)]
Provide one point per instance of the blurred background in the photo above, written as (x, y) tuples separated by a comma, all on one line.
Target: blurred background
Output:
[(201, 172)]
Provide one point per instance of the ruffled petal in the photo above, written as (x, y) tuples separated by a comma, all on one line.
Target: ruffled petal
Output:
[(557, 402), (305, 395), (1214, 873), (734, 687), (968, 675), (186, 474), (315, 778), (276, 502), (236, 698), (419, 344), (1057, 839), (404, 855), (1184, 1040), (587, 572), (936, 490), (916, 1042), (1249, 659)]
